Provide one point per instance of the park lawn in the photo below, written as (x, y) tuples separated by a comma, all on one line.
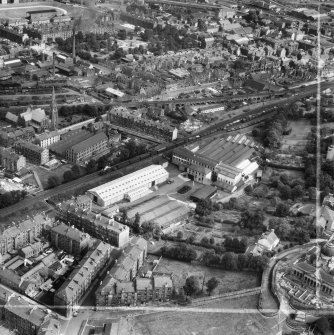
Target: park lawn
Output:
[(44, 173), (229, 280), (229, 317)]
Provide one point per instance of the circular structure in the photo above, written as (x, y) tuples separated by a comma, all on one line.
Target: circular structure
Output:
[(20, 12), (328, 249)]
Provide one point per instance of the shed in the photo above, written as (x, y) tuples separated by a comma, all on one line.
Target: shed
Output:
[(204, 193)]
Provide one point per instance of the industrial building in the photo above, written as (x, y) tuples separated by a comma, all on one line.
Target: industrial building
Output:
[(117, 190), (84, 150), (231, 159)]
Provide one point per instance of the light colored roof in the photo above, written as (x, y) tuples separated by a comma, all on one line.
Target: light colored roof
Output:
[(38, 114), (50, 134), (12, 117), (129, 182), (227, 170), (162, 281), (268, 239), (115, 92)]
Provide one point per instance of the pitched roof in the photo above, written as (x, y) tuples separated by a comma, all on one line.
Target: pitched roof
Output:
[(228, 170), (86, 269), (89, 142), (72, 233)]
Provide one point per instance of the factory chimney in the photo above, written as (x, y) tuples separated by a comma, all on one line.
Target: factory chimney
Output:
[(73, 48), (53, 64)]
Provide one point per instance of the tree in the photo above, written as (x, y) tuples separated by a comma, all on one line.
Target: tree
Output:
[(102, 162), (179, 235), (68, 176), (124, 216), (212, 240), (192, 285), (191, 239), (91, 166), (122, 34), (212, 284), (137, 219), (204, 241), (282, 210), (297, 192), (53, 181), (285, 191), (76, 170)]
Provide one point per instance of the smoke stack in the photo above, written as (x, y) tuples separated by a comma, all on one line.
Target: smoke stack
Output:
[(53, 64), (73, 49)]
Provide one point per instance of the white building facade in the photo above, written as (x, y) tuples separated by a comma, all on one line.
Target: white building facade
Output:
[(116, 190)]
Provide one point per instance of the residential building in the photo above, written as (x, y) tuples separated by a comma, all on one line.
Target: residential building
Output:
[(33, 153), (267, 242), (22, 234), (31, 250), (113, 191), (126, 119), (97, 225), (25, 315), (67, 297), (69, 239), (84, 150), (11, 161), (141, 290), (48, 138), (118, 287)]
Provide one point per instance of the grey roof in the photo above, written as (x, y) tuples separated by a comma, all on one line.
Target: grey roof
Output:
[(89, 142), (72, 233)]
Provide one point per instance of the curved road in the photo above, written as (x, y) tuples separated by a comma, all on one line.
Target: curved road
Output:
[(35, 7)]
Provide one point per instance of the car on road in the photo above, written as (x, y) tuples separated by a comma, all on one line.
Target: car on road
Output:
[(170, 181)]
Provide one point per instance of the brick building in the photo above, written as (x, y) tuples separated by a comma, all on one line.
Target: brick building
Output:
[(33, 153), (84, 150), (69, 239), (94, 224), (125, 119)]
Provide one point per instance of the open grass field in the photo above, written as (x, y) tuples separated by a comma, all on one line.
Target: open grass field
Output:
[(44, 173), (297, 139), (229, 317), (229, 280)]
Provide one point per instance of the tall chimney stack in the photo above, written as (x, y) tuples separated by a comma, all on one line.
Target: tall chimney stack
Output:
[(53, 64), (73, 49)]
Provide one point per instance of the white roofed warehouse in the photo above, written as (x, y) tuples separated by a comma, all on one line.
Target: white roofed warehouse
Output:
[(116, 190)]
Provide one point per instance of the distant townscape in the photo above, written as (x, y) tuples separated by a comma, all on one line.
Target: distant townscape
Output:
[(166, 167)]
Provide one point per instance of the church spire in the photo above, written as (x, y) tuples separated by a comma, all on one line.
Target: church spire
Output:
[(54, 111)]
